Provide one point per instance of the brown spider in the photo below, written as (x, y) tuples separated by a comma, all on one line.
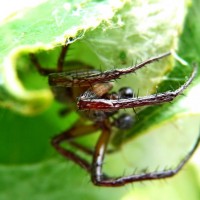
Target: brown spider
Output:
[(90, 89)]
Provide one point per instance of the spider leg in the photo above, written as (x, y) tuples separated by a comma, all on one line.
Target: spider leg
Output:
[(87, 103), (93, 76), (98, 157), (61, 59), (81, 147), (87, 150), (47, 71), (69, 135), (41, 70), (102, 180)]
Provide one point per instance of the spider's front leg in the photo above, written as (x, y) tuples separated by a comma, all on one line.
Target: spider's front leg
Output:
[(85, 103), (92, 77)]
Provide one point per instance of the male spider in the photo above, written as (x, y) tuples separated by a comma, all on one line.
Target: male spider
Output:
[(91, 90)]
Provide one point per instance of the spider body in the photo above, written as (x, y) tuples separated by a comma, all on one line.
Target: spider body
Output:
[(99, 90), (91, 92)]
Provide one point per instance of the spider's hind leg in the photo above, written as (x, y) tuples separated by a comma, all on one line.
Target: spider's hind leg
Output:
[(46, 71), (68, 136), (61, 59)]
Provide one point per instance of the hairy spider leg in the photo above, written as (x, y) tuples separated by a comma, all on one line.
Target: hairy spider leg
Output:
[(87, 103), (94, 77), (95, 169), (47, 71), (102, 180)]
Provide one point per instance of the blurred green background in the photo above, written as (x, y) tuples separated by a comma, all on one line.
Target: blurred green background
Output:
[(31, 169)]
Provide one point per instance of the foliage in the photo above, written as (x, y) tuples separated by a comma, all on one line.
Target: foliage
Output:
[(29, 166)]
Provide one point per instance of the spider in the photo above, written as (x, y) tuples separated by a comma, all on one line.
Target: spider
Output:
[(91, 90)]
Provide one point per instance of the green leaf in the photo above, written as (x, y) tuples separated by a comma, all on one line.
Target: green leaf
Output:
[(42, 27), (52, 180), (115, 38), (30, 169)]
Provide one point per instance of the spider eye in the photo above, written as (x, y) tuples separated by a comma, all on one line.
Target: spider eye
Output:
[(125, 93), (124, 121)]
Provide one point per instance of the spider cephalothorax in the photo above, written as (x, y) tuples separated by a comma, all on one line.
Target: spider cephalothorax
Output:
[(92, 91)]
